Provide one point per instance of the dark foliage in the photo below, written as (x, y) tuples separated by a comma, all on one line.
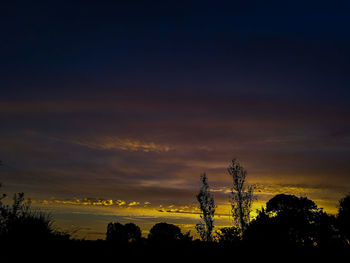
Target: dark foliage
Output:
[(207, 206), (242, 195), (283, 203), (164, 232), (20, 224), (228, 236), (291, 221), (343, 219), (123, 234)]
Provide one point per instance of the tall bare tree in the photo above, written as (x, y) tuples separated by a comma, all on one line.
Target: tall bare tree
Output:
[(207, 206), (242, 195)]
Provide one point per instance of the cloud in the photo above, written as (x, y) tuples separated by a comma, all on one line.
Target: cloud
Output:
[(94, 202), (109, 143), (122, 144), (120, 202), (134, 203), (155, 147), (87, 202)]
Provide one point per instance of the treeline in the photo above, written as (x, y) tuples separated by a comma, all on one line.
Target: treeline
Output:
[(287, 221)]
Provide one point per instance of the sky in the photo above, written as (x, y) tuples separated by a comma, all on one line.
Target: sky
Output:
[(111, 110)]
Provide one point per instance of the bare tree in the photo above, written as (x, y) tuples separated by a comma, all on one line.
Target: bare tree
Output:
[(242, 196), (207, 206)]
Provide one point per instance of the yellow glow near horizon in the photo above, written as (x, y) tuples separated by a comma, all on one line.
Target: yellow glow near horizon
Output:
[(141, 213)]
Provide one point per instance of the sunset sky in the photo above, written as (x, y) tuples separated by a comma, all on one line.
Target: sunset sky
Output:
[(111, 110)]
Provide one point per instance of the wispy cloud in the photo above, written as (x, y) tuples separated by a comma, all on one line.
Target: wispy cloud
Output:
[(118, 143), (91, 202)]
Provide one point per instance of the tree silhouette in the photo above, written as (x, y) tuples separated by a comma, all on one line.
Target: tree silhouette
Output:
[(123, 234), (326, 234), (165, 233), (115, 233), (263, 231), (283, 203), (228, 236), (133, 232), (2, 196), (292, 221), (343, 218), (241, 195), (296, 217), (207, 206)]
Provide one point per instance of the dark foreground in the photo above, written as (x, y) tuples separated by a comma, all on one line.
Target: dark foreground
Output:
[(102, 251)]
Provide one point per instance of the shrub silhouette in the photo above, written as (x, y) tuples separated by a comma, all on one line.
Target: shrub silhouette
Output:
[(18, 223)]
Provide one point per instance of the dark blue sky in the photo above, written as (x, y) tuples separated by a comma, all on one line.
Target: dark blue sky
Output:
[(65, 48)]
